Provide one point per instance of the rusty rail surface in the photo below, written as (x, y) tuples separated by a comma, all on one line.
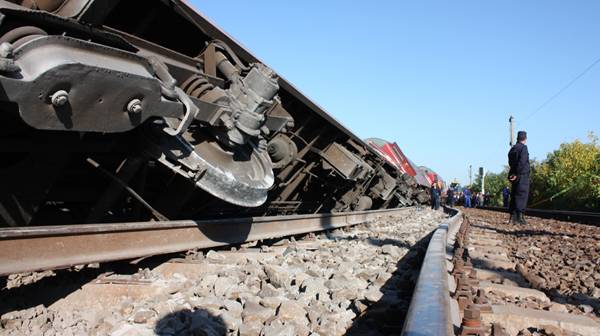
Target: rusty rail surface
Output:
[(27, 249), (430, 311), (592, 218)]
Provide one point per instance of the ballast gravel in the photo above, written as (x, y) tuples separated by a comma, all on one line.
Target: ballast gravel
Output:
[(356, 280)]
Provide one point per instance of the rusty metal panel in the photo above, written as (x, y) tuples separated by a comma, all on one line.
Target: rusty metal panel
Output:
[(346, 163)]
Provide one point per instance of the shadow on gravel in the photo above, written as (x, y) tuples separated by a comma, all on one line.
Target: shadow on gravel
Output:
[(575, 299), (530, 232), (376, 241), (188, 322), (381, 242), (386, 316), (50, 289), (45, 291)]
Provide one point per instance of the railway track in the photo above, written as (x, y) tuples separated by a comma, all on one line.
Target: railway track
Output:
[(486, 277), (472, 275), (354, 277), (69, 245)]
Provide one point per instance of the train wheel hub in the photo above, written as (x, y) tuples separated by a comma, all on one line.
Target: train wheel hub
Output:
[(241, 175)]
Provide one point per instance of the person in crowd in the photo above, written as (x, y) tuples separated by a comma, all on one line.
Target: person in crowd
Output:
[(467, 196), (505, 196), (435, 196), (518, 175), (487, 198), (450, 197), (476, 200)]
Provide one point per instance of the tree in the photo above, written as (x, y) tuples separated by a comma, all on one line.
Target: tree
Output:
[(494, 182), (569, 177)]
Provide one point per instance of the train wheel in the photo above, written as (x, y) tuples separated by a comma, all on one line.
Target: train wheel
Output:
[(241, 175)]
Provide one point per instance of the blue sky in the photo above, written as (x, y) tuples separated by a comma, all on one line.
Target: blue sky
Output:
[(440, 78)]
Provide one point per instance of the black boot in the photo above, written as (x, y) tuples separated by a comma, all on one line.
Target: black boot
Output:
[(513, 218), (521, 219)]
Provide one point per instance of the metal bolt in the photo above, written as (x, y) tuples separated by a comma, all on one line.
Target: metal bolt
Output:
[(463, 281), (473, 278), (472, 313), (459, 252), (482, 303), (262, 145), (471, 323), (458, 267), (463, 301), (135, 106), (468, 265), (59, 98)]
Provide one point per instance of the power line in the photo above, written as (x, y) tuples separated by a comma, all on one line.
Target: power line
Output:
[(554, 96), (563, 89)]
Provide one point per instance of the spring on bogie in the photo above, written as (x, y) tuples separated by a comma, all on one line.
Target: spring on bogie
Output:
[(196, 86)]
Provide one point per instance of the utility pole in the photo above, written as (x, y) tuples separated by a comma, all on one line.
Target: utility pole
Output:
[(482, 176), (511, 121), (470, 175)]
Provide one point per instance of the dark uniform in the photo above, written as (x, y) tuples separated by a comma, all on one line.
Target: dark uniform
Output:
[(450, 197), (518, 160), (435, 197)]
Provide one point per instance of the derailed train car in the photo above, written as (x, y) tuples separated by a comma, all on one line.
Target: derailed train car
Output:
[(130, 111), (424, 176), (395, 156), (432, 177)]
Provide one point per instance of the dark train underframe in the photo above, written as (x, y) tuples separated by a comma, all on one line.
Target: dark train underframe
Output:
[(113, 111)]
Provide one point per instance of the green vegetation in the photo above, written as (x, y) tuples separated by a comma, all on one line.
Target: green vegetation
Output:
[(568, 179)]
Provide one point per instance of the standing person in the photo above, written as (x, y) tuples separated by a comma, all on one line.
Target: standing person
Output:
[(450, 197), (435, 196), (440, 190), (505, 195), (476, 200), (518, 175), (467, 195)]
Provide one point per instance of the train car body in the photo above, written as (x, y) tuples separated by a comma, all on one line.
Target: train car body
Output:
[(131, 111), (433, 177), (394, 155)]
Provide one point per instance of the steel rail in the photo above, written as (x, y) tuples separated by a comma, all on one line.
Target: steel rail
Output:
[(592, 218), (429, 312), (26, 249)]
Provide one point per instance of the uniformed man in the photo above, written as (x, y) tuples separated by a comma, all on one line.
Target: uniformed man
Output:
[(467, 195), (435, 196), (518, 175), (450, 197)]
